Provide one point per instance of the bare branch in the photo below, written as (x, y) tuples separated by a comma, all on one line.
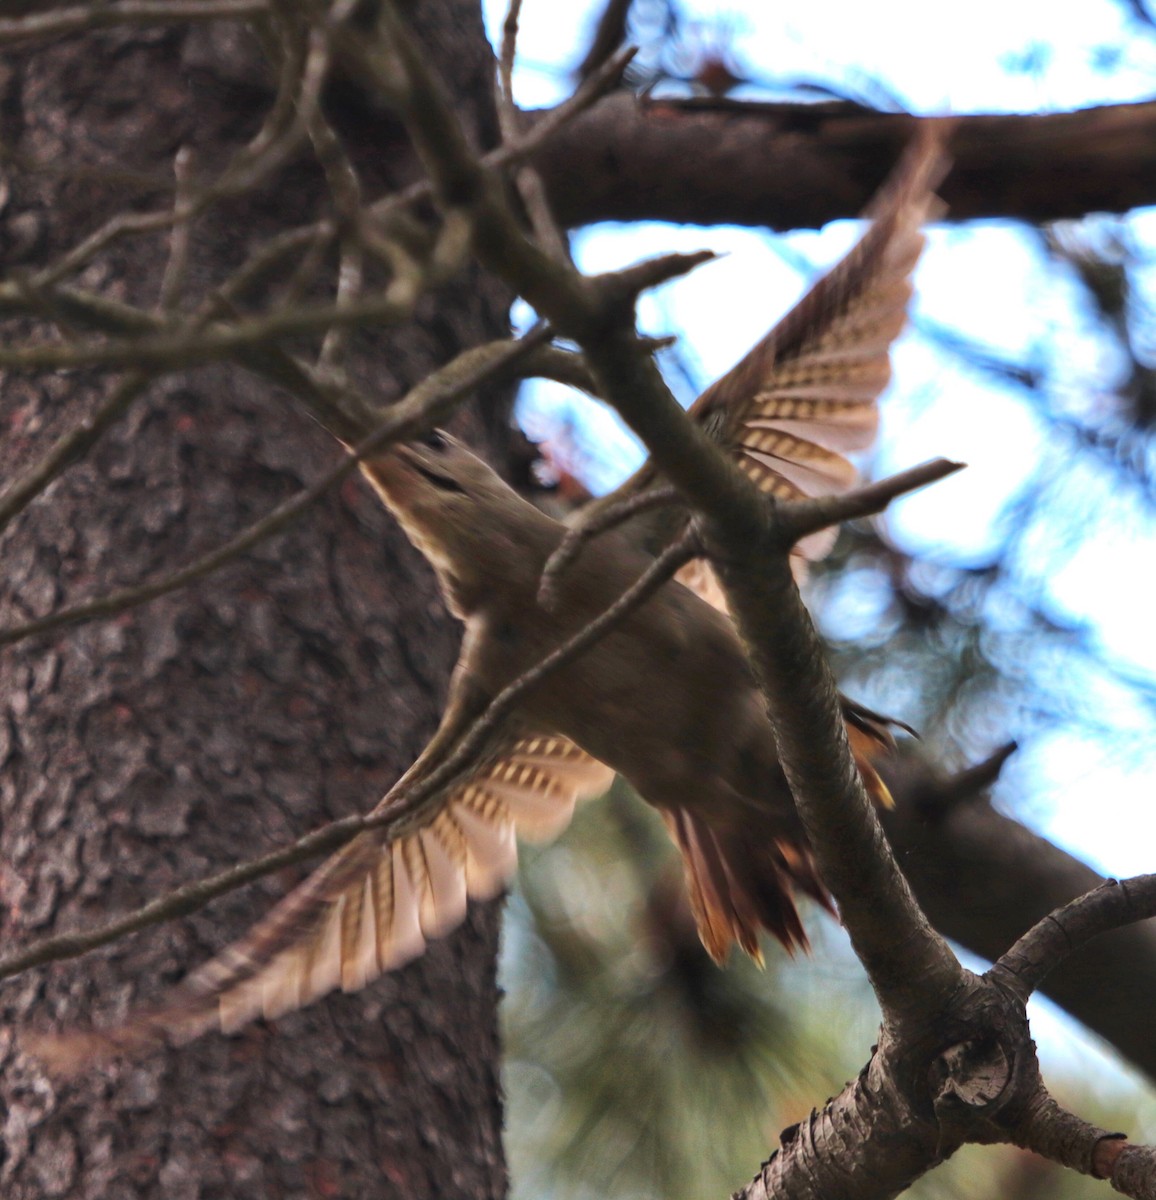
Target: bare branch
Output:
[(173, 279), (609, 34), (1067, 1139), (1050, 941), (802, 517), (624, 287), (725, 162), (579, 534), (81, 18), (510, 153), (969, 783), (427, 404), (547, 231), (344, 188), (982, 878), (182, 348), (70, 447), (278, 137), (391, 817)]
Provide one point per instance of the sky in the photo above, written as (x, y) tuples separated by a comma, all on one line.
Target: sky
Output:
[(992, 283)]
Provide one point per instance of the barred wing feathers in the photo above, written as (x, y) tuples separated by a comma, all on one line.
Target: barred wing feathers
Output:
[(373, 905), (808, 393), (376, 904)]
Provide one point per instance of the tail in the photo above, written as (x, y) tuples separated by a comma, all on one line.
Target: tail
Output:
[(743, 878)]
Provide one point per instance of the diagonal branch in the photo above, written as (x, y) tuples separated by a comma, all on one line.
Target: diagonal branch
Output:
[(803, 517), (70, 447), (578, 535), (390, 817), (1115, 904), (427, 404), (911, 968), (547, 231), (82, 17)]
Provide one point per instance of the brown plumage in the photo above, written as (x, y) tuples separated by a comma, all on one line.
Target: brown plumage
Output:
[(666, 698)]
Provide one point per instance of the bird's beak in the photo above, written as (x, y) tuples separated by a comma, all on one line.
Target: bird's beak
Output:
[(393, 475)]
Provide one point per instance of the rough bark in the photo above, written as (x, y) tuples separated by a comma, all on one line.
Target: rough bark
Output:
[(793, 166), (291, 688)]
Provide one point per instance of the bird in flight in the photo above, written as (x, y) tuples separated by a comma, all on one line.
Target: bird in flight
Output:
[(666, 698)]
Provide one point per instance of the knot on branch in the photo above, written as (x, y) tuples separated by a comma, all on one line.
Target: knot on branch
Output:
[(989, 1076), (971, 1075)]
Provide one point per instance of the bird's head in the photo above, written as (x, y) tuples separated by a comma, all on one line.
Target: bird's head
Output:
[(453, 506), (436, 480)]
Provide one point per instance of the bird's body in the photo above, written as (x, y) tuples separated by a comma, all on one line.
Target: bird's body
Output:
[(666, 698)]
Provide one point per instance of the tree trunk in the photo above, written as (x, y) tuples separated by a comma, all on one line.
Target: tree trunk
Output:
[(146, 751)]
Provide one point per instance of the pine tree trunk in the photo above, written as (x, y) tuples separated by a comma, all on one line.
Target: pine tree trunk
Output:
[(292, 687)]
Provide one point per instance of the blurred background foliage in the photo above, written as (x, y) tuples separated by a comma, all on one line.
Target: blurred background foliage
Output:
[(1012, 602)]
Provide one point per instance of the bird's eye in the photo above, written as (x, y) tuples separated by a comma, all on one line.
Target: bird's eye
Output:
[(434, 440)]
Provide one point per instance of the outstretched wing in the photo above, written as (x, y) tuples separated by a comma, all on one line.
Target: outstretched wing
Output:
[(807, 394), (376, 903)]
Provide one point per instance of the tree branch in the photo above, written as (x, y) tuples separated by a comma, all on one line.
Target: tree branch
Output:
[(723, 161), (82, 17), (983, 878), (582, 532), (1065, 1138), (427, 404), (1061, 933), (394, 815), (803, 517), (70, 447)]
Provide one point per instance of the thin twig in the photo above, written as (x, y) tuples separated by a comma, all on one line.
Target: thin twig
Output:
[(1114, 904), (114, 316), (64, 21), (966, 785), (176, 267), (274, 142), (609, 34), (603, 518), (344, 189), (510, 153), (180, 348), (391, 816), (425, 405), (70, 447), (798, 518), (527, 180)]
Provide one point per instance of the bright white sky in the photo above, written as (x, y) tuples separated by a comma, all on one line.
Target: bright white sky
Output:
[(993, 283)]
